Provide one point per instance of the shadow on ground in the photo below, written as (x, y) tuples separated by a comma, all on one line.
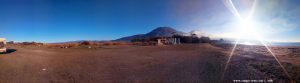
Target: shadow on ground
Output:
[(8, 51)]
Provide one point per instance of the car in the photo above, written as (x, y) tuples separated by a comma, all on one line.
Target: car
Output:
[(2, 45)]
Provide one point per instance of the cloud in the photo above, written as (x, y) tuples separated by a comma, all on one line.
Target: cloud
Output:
[(272, 19)]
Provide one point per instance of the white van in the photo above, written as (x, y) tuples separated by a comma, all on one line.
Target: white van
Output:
[(2, 45)]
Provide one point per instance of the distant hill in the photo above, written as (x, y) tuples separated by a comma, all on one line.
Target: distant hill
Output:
[(80, 41), (158, 32)]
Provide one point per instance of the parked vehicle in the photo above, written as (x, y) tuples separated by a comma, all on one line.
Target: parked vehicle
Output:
[(2, 45)]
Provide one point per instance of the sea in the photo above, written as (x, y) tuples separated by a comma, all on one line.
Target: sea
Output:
[(270, 44), (286, 44)]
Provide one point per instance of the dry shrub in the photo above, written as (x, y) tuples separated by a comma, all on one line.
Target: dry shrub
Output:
[(97, 44), (108, 43), (31, 43), (124, 43), (71, 45), (53, 45), (86, 43), (137, 43), (66, 45), (150, 43), (142, 43)]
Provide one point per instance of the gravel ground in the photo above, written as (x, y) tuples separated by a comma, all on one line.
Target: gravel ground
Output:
[(192, 63)]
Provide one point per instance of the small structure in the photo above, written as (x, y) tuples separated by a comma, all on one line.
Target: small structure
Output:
[(168, 41), (2, 45)]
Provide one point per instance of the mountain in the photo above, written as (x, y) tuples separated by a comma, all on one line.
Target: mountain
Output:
[(158, 32), (129, 38)]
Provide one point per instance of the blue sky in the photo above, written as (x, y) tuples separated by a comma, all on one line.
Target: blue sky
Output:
[(69, 20)]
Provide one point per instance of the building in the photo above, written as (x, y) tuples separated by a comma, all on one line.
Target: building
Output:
[(168, 41)]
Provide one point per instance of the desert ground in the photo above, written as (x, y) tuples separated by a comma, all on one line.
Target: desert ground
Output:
[(187, 63)]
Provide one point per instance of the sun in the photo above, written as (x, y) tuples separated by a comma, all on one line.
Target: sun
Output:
[(246, 31)]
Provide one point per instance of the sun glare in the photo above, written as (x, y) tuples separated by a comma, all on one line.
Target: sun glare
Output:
[(245, 32)]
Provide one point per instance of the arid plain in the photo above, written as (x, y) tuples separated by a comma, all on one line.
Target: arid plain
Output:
[(200, 63)]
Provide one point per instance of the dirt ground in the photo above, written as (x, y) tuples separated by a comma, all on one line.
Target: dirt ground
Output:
[(192, 63)]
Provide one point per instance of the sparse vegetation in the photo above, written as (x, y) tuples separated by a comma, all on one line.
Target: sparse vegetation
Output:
[(125, 61)]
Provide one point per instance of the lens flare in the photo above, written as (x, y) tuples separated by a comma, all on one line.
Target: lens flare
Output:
[(230, 55), (247, 28), (270, 51)]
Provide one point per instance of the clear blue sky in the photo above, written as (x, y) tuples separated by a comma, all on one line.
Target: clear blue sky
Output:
[(68, 20)]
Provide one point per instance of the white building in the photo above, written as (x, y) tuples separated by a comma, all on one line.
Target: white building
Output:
[(168, 41)]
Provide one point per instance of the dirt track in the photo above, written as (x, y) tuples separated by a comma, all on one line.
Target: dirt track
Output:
[(182, 63)]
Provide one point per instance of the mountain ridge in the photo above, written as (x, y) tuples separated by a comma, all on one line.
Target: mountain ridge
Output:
[(158, 32)]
